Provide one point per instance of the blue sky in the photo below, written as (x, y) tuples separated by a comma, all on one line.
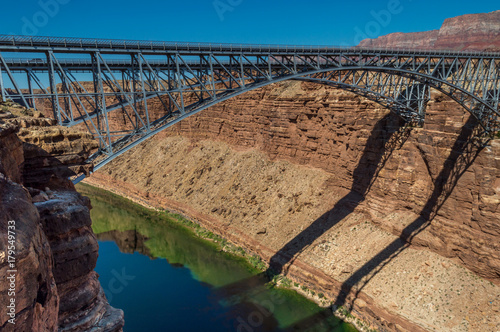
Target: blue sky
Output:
[(317, 22)]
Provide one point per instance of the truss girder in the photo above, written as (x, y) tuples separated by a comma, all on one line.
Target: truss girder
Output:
[(112, 98)]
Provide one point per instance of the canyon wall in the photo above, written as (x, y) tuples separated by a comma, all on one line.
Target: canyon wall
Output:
[(347, 137), (55, 249), (330, 189), (473, 32)]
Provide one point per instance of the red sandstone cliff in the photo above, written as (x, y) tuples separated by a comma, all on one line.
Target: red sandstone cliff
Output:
[(328, 129), (473, 32), (56, 250)]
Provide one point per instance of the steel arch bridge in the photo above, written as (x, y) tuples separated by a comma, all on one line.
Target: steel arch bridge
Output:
[(94, 82)]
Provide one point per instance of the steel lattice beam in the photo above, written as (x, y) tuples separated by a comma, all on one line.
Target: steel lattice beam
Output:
[(98, 83)]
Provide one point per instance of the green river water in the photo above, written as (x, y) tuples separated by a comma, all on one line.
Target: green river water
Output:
[(166, 278)]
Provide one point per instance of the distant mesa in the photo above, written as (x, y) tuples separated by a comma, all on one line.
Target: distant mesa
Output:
[(472, 32)]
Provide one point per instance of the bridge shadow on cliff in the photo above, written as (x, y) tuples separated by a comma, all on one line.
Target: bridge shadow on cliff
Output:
[(42, 169), (388, 134), (463, 153)]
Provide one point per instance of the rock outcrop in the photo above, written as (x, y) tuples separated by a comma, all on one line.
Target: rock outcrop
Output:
[(36, 298), (52, 152), (65, 219), (11, 152), (412, 40), (473, 32), (56, 250)]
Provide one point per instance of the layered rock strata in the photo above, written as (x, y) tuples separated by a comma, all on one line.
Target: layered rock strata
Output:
[(56, 250), (36, 297), (473, 32)]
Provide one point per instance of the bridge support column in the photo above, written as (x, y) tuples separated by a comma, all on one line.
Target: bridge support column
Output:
[(13, 81), (2, 87), (30, 87), (53, 89), (139, 61), (100, 99), (423, 97)]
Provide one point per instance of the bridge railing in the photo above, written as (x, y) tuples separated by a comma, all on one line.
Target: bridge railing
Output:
[(76, 61), (115, 44), (39, 62)]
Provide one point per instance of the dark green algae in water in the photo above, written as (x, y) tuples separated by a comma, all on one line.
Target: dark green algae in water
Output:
[(166, 278)]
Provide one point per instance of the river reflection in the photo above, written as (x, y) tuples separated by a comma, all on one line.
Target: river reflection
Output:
[(167, 279)]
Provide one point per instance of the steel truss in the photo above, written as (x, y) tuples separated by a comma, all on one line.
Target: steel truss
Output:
[(124, 92)]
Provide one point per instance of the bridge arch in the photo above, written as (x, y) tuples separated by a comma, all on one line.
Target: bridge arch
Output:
[(406, 108)]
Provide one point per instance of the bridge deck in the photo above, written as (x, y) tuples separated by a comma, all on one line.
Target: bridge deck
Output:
[(30, 44)]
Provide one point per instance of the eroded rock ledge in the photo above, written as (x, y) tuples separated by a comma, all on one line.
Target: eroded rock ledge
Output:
[(56, 250)]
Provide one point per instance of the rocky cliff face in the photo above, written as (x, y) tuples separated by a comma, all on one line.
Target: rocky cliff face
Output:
[(332, 180), (36, 299), (418, 40), (474, 32), (345, 136), (56, 251)]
